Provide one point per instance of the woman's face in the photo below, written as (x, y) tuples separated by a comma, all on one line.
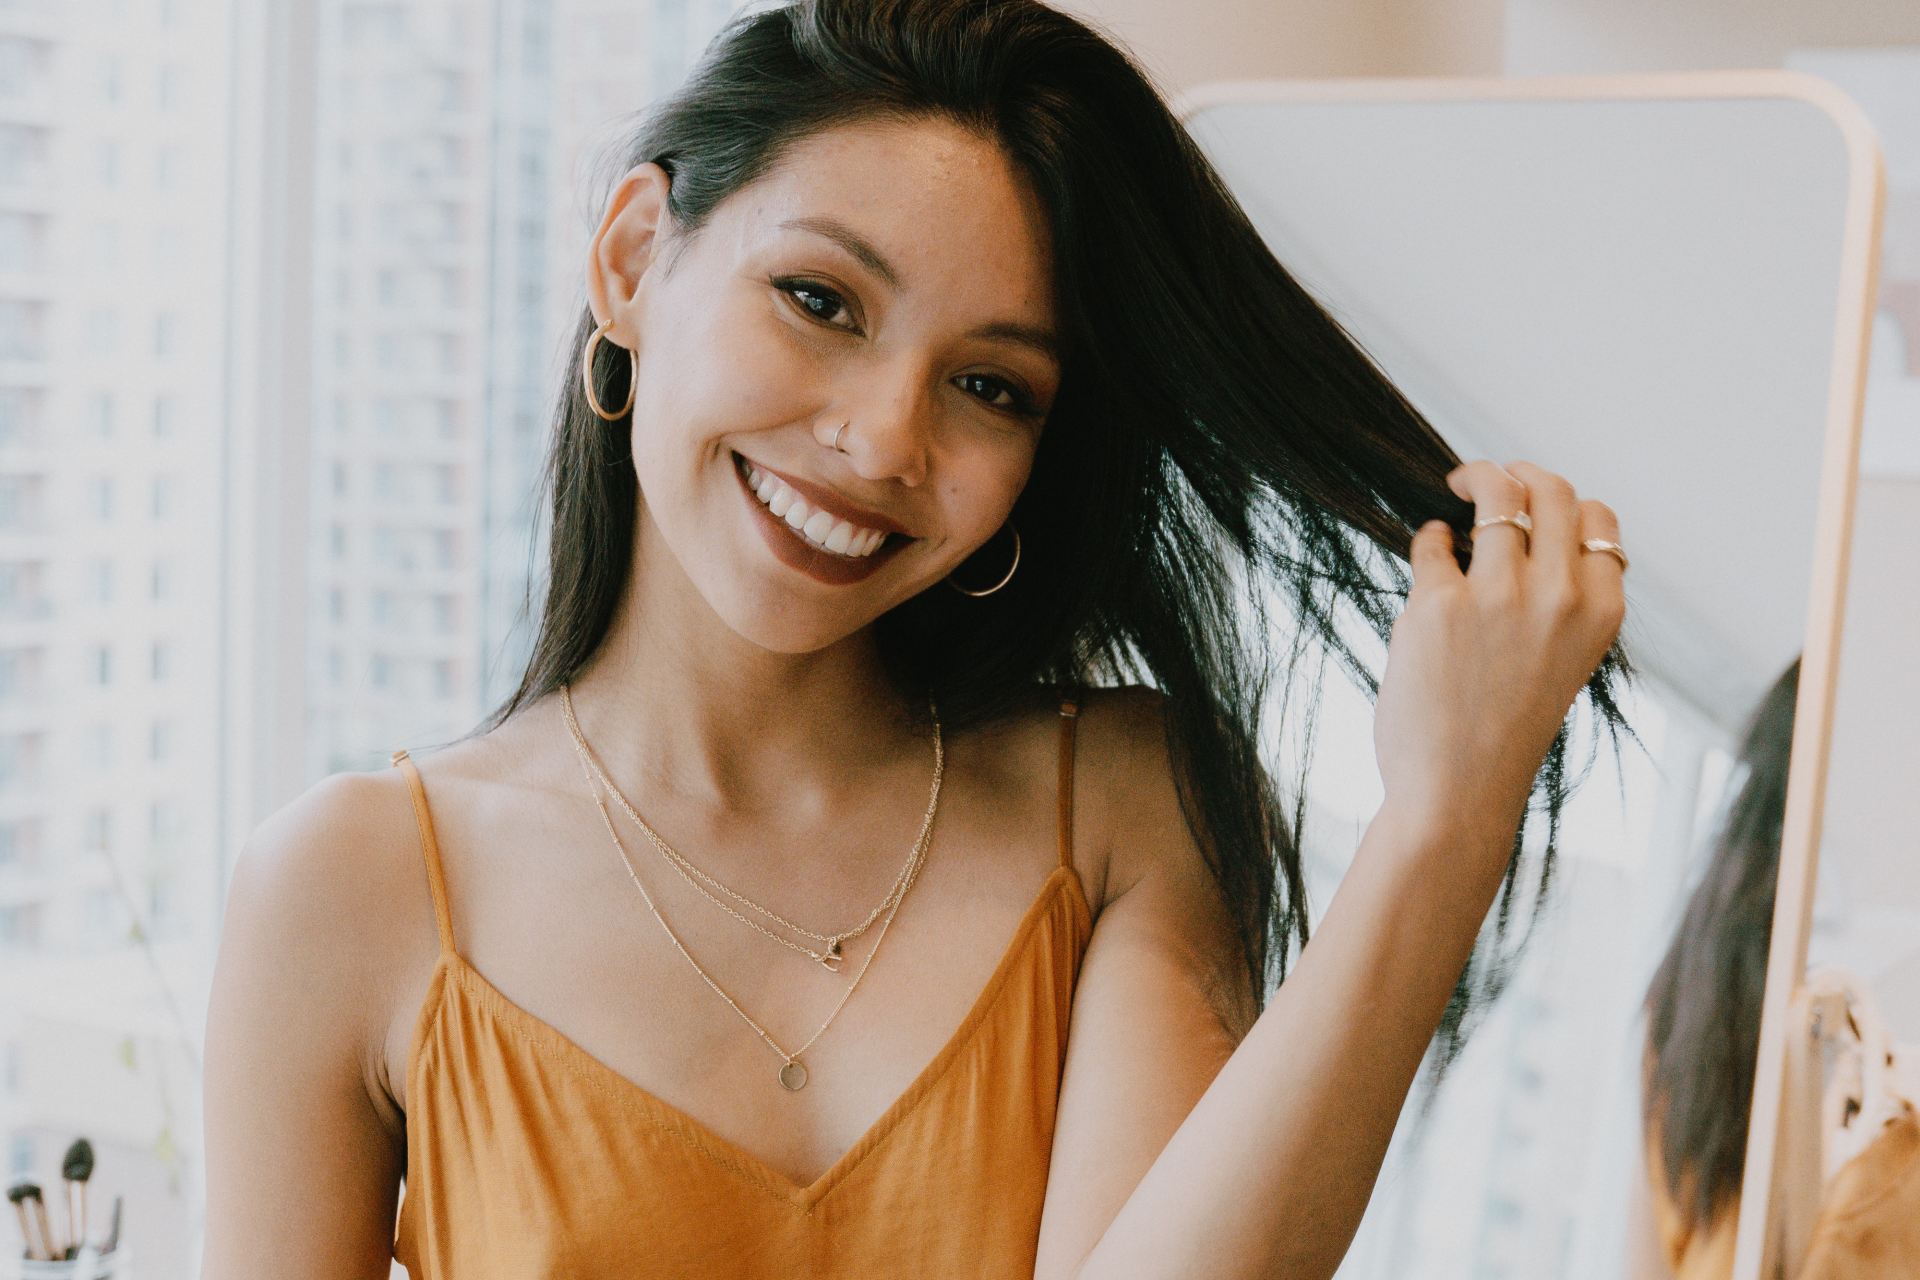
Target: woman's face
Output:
[(892, 276)]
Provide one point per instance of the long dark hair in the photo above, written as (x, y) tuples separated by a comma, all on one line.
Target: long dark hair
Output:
[(1221, 453), (1703, 1005)]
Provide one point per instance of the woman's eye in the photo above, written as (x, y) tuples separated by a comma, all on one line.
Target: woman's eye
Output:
[(1017, 400), (798, 289), (807, 293)]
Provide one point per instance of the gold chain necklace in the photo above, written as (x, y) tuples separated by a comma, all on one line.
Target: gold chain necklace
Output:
[(831, 957), (793, 1072)]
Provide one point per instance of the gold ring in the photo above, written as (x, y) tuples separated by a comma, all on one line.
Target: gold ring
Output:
[(1519, 520), (1613, 549)]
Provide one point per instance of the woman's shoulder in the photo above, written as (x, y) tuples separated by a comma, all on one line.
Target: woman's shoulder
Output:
[(321, 915), (345, 840), (324, 865), (1123, 770), (1119, 761)]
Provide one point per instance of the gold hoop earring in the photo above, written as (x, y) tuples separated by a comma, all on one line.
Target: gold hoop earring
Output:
[(586, 377), (1003, 581)]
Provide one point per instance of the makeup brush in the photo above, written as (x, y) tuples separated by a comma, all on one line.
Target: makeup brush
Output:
[(19, 1193), (30, 1194), (55, 1247), (113, 1229), (77, 1167)]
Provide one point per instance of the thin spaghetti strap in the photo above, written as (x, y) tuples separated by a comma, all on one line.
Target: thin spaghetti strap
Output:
[(429, 847), (1069, 714)]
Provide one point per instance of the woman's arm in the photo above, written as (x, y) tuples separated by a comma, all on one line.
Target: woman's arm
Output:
[(303, 1171), (1270, 1170), (1269, 1173)]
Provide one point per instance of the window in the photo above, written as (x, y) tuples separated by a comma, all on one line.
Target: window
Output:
[(162, 503), (123, 529), (22, 241), (22, 329), (160, 738), (97, 750), (20, 924), (19, 416), (103, 331)]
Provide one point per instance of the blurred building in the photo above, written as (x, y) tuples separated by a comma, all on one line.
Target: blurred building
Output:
[(112, 162), (430, 227)]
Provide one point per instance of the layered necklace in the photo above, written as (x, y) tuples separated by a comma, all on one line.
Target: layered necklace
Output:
[(793, 1072)]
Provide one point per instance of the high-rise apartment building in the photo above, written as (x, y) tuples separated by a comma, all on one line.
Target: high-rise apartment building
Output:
[(112, 160), (426, 217)]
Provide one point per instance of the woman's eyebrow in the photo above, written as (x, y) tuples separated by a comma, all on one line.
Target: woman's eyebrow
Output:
[(850, 240), (1040, 339)]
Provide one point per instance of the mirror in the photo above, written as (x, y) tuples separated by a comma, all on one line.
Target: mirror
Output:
[(1866, 896), (1656, 286)]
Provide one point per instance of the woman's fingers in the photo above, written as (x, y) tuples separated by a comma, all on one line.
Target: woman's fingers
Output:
[(1600, 573), (1431, 555), (1499, 550), (1553, 504), (1478, 681)]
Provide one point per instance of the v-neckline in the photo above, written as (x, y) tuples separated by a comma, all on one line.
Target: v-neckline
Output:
[(724, 1151)]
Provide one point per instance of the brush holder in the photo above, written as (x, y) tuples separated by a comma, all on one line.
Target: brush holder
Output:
[(86, 1265)]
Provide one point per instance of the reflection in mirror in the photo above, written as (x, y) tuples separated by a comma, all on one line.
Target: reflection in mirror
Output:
[(1703, 1006), (1581, 278), (1850, 1103)]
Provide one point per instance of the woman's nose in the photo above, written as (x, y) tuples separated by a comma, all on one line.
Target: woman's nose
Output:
[(890, 429)]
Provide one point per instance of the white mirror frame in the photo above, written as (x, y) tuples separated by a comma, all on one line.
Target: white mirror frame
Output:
[(1833, 521)]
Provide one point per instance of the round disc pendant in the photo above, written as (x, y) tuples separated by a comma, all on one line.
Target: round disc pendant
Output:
[(793, 1075)]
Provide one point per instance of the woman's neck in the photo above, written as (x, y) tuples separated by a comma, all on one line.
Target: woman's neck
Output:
[(675, 699)]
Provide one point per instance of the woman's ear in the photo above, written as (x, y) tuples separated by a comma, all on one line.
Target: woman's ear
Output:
[(633, 227)]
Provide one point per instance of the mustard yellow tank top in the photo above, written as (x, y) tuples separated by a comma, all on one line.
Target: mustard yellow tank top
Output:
[(529, 1158)]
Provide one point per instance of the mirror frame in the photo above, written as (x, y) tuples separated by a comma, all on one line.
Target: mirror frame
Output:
[(1858, 279)]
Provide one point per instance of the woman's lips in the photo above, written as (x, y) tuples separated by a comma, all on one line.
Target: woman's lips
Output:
[(816, 562)]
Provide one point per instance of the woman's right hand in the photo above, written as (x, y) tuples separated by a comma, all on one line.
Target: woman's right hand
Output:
[(1483, 665)]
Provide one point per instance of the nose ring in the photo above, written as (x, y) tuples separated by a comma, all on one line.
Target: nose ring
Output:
[(836, 436)]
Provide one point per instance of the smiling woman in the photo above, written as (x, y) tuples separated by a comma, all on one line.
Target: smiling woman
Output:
[(895, 294)]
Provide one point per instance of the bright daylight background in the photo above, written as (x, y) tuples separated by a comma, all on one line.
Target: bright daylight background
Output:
[(281, 292)]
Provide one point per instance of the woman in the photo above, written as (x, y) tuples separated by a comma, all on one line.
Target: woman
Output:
[(1703, 1007), (946, 279)]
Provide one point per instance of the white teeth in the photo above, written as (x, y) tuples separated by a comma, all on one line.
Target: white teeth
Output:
[(818, 527)]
